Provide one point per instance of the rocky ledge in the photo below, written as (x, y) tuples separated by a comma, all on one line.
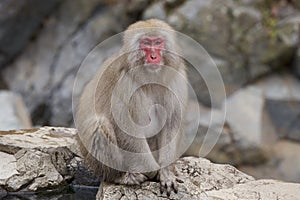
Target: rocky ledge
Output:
[(47, 159), (207, 181)]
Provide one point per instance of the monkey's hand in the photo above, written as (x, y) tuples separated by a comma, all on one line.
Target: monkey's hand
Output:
[(168, 181), (132, 179)]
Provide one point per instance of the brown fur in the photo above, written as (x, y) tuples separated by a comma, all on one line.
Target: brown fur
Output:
[(96, 123)]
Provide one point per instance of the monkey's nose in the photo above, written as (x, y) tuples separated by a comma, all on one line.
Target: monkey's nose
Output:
[(153, 57)]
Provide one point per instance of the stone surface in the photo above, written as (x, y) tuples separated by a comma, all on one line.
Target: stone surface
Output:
[(199, 176), (8, 166), (156, 10), (242, 37), (279, 86), (285, 116), (256, 190), (13, 114), (205, 180), (297, 63), (46, 159), (282, 96), (281, 166), (18, 21), (215, 139), (37, 159), (249, 103), (249, 40), (44, 73)]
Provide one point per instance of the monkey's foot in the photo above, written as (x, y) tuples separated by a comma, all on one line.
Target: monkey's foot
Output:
[(168, 181), (132, 179)]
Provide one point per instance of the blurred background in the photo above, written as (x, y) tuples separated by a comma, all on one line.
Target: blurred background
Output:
[(254, 43)]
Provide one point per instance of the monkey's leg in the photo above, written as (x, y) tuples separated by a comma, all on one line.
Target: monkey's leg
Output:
[(139, 163), (169, 144), (97, 140)]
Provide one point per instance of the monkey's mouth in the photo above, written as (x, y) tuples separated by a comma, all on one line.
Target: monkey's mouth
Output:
[(153, 67)]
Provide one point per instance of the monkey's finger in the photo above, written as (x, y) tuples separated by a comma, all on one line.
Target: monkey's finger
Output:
[(179, 180), (169, 187), (163, 186), (136, 182), (175, 187)]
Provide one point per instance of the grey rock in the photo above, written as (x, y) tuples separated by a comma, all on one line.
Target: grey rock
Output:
[(281, 166), (199, 176), (19, 20), (249, 103), (279, 87), (215, 139), (236, 32), (156, 10), (282, 96), (45, 71), (13, 114), (296, 63), (205, 180), (254, 190), (70, 60), (285, 116), (41, 159)]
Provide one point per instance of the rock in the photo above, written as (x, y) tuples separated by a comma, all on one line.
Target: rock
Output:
[(285, 116), (8, 166), (282, 164), (249, 42), (255, 190), (252, 130), (18, 22), (44, 73), (209, 22), (41, 159), (156, 10), (199, 176), (253, 126), (282, 97), (296, 63), (220, 144), (14, 114), (205, 180), (281, 87), (204, 126)]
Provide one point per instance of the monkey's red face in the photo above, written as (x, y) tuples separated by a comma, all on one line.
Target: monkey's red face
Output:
[(152, 46)]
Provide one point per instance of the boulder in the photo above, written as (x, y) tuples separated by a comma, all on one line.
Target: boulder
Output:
[(42, 163), (199, 176), (271, 122), (155, 10), (282, 104), (44, 73), (38, 159), (242, 37), (14, 113), (254, 126), (282, 164), (255, 190), (285, 118), (205, 180), (215, 139), (296, 63), (19, 20)]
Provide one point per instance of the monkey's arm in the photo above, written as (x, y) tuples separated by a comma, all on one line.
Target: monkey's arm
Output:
[(170, 142), (97, 140), (173, 141)]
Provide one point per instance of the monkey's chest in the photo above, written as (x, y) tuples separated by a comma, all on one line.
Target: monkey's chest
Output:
[(153, 106)]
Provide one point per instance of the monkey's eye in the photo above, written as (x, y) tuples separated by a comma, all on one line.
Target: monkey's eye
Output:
[(147, 42), (157, 42)]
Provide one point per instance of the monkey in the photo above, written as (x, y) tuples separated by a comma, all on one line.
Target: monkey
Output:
[(129, 116)]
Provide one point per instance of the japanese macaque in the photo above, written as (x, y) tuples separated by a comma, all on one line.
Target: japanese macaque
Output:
[(129, 116)]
